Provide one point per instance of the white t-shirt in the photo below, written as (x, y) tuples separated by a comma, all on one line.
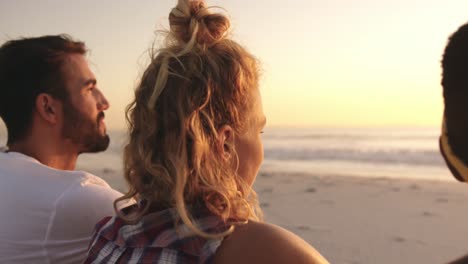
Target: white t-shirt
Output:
[(48, 215)]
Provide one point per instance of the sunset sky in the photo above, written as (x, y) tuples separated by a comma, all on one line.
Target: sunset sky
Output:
[(325, 63)]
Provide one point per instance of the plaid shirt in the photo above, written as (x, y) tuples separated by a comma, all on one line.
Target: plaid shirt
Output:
[(156, 238)]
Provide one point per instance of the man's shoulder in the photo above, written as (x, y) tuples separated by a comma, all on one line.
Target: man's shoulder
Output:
[(89, 187), (26, 174), (83, 204), (89, 179)]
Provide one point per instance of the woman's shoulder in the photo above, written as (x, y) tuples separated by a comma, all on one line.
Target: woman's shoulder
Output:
[(257, 242)]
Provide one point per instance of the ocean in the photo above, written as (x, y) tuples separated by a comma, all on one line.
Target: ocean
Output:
[(369, 152)]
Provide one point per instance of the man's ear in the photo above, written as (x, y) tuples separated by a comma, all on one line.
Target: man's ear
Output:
[(225, 141), (47, 108)]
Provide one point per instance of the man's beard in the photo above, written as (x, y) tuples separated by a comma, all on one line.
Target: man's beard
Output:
[(83, 131)]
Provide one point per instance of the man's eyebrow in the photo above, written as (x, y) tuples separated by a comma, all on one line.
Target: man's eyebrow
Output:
[(90, 82)]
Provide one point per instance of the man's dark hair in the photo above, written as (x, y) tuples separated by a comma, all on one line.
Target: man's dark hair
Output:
[(29, 67), (455, 85)]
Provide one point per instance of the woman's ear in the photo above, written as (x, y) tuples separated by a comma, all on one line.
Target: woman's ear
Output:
[(47, 108), (225, 141)]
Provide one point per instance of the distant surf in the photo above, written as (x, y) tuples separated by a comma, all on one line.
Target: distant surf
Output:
[(369, 152)]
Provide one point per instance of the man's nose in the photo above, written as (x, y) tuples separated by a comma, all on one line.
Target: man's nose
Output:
[(103, 104)]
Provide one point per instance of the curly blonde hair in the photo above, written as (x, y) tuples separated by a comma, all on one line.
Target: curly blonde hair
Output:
[(198, 82)]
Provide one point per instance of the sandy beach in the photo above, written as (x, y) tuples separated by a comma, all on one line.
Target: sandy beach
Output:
[(353, 220), (362, 220)]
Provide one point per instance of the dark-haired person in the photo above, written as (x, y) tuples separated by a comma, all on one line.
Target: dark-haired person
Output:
[(194, 151), (454, 138), (53, 111)]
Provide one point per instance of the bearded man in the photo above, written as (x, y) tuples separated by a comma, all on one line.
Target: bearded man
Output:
[(53, 111)]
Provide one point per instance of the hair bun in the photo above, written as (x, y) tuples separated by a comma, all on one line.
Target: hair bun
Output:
[(191, 21)]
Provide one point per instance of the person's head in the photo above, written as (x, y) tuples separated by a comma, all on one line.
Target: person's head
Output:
[(454, 141), (48, 79), (196, 120)]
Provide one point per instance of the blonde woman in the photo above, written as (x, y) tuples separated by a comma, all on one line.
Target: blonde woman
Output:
[(195, 148)]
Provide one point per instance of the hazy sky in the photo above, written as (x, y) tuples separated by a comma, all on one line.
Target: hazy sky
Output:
[(325, 63)]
